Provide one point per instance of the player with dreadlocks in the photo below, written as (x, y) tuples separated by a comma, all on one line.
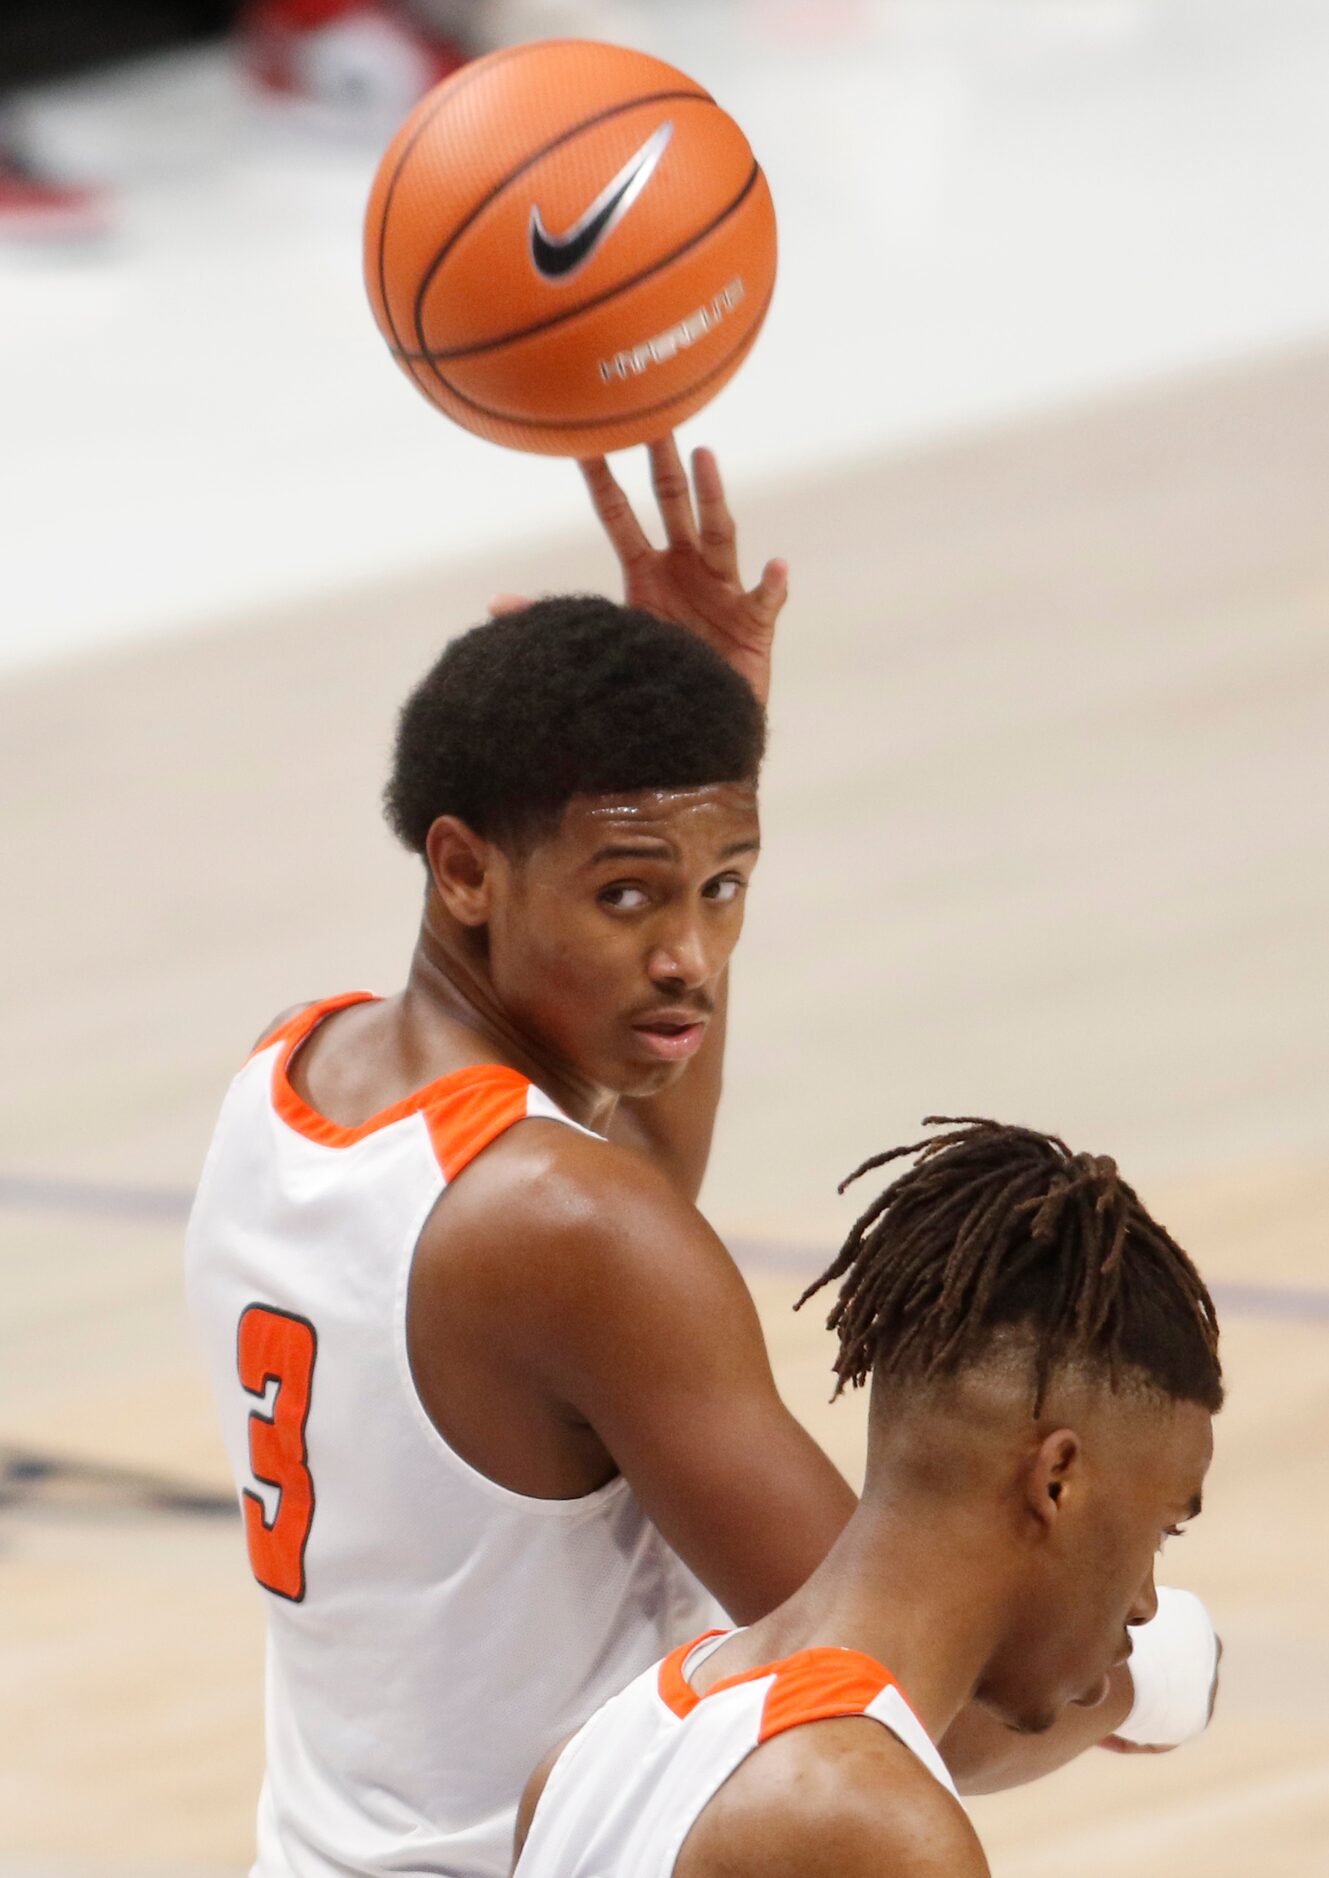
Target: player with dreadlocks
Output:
[(997, 1225), (1044, 1366)]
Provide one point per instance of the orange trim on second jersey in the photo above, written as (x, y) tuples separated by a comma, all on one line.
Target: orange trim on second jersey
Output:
[(675, 1691), (811, 1685), (819, 1685), (464, 1110)]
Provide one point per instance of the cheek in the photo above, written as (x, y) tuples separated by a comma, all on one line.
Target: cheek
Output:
[(554, 958), (1079, 1621), (1125, 1560), (1110, 1579)]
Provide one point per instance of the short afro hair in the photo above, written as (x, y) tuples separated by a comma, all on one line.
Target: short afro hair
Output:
[(570, 696)]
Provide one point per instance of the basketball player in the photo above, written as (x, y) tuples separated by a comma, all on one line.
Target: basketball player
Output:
[(495, 1396), (490, 1386), (1044, 1369)]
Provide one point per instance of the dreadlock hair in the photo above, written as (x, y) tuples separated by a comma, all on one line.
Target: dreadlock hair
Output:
[(1000, 1226)]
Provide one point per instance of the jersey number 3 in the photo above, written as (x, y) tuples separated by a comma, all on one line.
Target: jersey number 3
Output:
[(272, 1346)]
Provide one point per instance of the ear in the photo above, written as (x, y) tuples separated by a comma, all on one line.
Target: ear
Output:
[(1054, 1469), (461, 867)]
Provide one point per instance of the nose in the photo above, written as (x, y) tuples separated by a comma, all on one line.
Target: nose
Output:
[(681, 959), (1146, 1601)]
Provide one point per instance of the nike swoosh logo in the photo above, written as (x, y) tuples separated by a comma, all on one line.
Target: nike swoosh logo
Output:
[(557, 256)]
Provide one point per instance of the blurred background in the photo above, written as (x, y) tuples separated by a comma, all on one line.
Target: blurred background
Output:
[(1040, 418), (993, 206)]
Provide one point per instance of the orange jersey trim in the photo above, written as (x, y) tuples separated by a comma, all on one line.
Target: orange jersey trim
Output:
[(676, 1692), (464, 1111), (819, 1685), (811, 1685), (467, 1111), (299, 1025)]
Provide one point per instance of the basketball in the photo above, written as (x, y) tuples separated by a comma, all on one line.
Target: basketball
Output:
[(569, 247)]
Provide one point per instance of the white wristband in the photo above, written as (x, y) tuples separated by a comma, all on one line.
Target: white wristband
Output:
[(1173, 1662)]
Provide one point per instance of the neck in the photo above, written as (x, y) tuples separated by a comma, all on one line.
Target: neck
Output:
[(449, 987), (912, 1586)]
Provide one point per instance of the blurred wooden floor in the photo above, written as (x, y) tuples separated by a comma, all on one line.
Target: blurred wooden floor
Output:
[(1047, 822)]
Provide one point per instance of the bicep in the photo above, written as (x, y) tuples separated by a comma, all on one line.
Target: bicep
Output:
[(591, 1286), (677, 1385)]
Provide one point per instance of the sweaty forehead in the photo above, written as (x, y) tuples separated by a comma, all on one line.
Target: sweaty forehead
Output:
[(714, 813)]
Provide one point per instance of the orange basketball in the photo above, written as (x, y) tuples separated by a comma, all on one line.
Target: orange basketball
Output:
[(569, 247)]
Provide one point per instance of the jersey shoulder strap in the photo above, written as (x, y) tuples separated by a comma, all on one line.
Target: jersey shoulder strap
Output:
[(293, 1029), (472, 1107), (811, 1685), (464, 1111)]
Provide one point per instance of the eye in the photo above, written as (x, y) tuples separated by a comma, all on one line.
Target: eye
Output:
[(1171, 1532), (727, 888), (623, 897)]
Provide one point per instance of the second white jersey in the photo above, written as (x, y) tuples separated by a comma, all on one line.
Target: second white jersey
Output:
[(430, 1634), (627, 1790)]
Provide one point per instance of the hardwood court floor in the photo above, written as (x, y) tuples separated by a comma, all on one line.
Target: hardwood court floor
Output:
[(1046, 832)]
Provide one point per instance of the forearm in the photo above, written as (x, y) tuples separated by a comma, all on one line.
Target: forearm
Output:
[(986, 1757), (674, 1128)]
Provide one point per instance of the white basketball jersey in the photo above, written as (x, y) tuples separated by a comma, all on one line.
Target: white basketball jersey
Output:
[(431, 1635), (629, 1787)]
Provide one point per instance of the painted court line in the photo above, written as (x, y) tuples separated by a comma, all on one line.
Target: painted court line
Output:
[(95, 1199), (768, 1258)]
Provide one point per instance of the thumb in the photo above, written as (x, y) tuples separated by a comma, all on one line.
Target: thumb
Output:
[(772, 590)]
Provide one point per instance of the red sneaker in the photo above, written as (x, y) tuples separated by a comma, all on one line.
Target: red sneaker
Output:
[(351, 63), (37, 207)]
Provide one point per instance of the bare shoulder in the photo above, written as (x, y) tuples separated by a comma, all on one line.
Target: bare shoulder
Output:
[(543, 1189), (837, 1799), (551, 1226)]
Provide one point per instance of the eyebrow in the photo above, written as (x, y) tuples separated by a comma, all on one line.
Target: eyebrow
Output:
[(1194, 1509), (660, 851)]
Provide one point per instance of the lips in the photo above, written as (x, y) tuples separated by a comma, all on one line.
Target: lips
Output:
[(671, 1035)]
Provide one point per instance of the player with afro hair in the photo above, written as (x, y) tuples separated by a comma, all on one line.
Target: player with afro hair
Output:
[(570, 696)]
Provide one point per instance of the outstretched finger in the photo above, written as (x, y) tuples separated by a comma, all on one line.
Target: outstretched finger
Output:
[(625, 532), (719, 537), (771, 591), (507, 603), (670, 481)]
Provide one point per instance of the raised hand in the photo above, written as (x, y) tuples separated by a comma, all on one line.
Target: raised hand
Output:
[(694, 579)]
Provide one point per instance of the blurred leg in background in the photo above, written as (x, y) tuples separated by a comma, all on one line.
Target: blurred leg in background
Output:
[(42, 41), (346, 66), (362, 64), (38, 201), (352, 63)]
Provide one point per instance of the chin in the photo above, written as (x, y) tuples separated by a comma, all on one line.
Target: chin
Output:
[(639, 1080)]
